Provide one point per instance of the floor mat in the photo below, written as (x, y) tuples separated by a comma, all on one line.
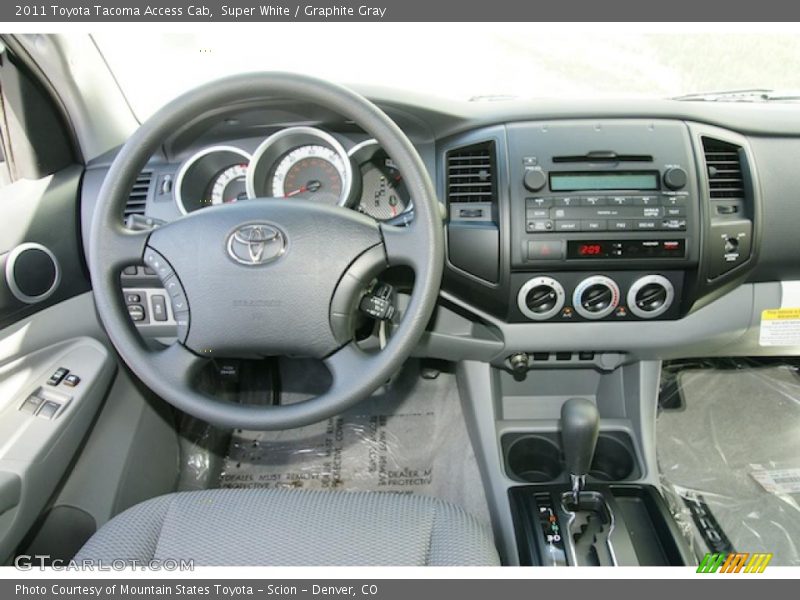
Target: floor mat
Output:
[(732, 448), (408, 437)]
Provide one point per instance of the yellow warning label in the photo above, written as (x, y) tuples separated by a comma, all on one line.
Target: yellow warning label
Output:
[(775, 314), (780, 327)]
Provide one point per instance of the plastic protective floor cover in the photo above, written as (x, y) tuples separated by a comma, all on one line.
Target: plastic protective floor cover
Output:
[(731, 445), (410, 437)]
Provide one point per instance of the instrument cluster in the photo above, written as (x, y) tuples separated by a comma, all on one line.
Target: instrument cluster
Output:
[(297, 163)]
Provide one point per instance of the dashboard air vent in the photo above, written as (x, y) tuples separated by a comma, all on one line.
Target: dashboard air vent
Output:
[(471, 174), (724, 167), (137, 199)]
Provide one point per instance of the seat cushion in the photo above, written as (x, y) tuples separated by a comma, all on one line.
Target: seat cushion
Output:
[(294, 527)]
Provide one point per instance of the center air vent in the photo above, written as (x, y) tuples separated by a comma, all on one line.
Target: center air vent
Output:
[(470, 174), (724, 167), (137, 199)]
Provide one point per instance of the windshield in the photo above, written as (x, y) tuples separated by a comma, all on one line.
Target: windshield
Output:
[(458, 61)]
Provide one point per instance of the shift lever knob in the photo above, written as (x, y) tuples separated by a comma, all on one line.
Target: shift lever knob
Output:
[(580, 425)]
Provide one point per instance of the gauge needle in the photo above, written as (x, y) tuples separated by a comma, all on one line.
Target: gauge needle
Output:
[(311, 186)]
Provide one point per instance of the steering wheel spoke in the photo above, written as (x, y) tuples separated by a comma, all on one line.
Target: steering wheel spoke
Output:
[(124, 248), (406, 246), (180, 363)]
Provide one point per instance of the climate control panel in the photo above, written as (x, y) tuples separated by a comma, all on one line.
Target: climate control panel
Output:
[(618, 296)]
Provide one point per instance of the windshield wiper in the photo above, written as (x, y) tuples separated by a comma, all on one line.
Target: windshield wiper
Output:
[(745, 95)]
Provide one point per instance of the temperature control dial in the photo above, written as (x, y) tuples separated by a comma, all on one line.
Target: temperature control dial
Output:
[(541, 298), (650, 296), (596, 297)]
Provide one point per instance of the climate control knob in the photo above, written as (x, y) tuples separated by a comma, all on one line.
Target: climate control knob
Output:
[(541, 298), (650, 296), (596, 297)]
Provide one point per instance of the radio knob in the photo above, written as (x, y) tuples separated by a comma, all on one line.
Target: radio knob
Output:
[(534, 179), (675, 178)]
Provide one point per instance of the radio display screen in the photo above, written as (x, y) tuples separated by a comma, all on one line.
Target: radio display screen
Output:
[(576, 181)]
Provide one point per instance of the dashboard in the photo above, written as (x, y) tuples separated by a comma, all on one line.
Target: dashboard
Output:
[(295, 162), (578, 226)]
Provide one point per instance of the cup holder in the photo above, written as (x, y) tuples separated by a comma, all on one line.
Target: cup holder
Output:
[(537, 458), (613, 460), (534, 459)]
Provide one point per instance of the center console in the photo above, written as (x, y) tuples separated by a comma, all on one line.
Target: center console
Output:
[(581, 220)]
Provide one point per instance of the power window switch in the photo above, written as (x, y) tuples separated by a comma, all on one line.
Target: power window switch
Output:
[(57, 376), (48, 410), (136, 311), (72, 380), (31, 404)]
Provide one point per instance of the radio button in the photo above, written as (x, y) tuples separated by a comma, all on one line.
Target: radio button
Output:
[(593, 201), (567, 201), (621, 201), (675, 211), (674, 224), (539, 226), (674, 200), (538, 202), (646, 201), (646, 225), (594, 225), (651, 212), (620, 225), (537, 213), (568, 225)]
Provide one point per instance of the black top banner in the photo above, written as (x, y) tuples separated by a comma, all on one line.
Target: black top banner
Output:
[(85, 11)]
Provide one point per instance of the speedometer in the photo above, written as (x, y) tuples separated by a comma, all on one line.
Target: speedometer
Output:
[(301, 163), (312, 172)]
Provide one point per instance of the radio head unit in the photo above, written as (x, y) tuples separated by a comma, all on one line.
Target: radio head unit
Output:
[(635, 200)]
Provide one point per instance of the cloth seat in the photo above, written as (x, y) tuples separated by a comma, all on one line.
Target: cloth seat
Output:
[(241, 527)]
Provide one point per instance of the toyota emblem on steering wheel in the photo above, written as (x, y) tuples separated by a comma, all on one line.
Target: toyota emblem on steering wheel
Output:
[(256, 244)]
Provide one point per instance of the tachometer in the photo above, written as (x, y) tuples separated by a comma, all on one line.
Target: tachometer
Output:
[(311, 172), (230, 185), (214, 175)]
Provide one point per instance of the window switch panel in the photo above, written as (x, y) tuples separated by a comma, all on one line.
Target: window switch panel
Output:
[(57, 376), (48, 409), (31, 404)]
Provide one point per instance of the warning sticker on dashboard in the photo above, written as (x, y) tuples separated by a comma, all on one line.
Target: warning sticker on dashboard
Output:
[(780, 327)]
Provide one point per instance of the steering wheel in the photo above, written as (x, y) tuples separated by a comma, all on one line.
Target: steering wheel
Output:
[(265, 277)]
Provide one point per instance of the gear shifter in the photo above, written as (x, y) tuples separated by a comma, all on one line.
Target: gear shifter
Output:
[(580, 425)]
